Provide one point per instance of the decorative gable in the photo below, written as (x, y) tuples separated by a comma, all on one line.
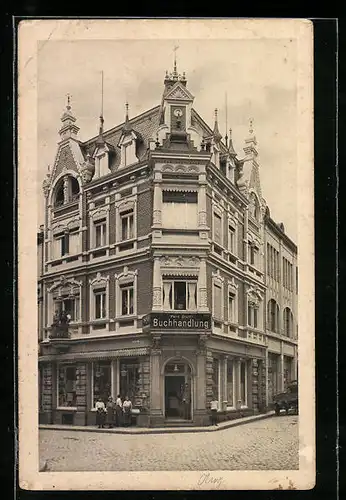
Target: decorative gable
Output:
[(69, 157), (179, 92)]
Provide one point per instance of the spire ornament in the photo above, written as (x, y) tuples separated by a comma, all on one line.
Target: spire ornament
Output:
[(216, 133)]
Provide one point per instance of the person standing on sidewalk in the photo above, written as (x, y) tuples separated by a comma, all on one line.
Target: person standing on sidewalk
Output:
[(110, 412), (127, 407), (118, 411), (100, 413), (214, 406)]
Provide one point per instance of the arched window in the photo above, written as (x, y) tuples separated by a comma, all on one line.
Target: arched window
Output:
[(66, 190), (74, 186), (273, 316), (59, 194), (288, 322)]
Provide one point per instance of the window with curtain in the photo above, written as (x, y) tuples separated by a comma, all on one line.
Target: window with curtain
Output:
[(67, 377), (179, 209), (67, 300), (127, 299), (100, 232), (127, 219), (231, 307), (252, 312), (217, 220), (180, 295), (243, 383), (217, 301), (100, 303), (74, 242), (230, 384), (231, 239)]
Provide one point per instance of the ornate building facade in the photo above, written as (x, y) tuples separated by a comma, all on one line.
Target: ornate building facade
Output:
[(155, 276)]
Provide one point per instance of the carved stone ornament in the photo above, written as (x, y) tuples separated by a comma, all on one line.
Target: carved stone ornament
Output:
[(156, 342), (87, 169), (46, 185), (202, 344), (178, 261)]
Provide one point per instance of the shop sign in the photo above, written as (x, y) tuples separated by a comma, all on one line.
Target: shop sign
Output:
[(177, 321)]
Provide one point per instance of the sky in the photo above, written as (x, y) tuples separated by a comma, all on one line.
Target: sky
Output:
[(259, 77)]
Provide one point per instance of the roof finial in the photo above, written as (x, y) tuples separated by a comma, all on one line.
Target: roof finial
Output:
[(251, 126), (101, 113), (175, 58), (68, 107), (127, 110), (226, 137), (216, 132)]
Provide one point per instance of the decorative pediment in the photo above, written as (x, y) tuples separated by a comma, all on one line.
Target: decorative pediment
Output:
[(179, 92), (99, 279), (64, 282)]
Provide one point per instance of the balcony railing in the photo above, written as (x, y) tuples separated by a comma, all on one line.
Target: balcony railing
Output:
[(60, 327)]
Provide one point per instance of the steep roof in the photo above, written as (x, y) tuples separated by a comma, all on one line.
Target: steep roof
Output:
[(145, 125)]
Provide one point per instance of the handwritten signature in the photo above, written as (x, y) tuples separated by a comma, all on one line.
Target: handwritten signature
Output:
[(208, 478)]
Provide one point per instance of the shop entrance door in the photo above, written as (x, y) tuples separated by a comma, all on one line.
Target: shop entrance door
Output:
[(173, 386), (178, 393)]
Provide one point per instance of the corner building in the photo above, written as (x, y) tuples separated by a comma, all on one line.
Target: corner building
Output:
[(154, 244)]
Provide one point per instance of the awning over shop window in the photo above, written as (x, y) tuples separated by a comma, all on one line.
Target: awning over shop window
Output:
[(141, 351)]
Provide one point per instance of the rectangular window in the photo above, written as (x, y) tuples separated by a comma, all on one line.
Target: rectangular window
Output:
[(100, 304), (61, 245), (67, 396), (73, 239), (129, 378), (179, 209), (127, 294), (231, 239), (231, 307), (243, 383), (217, 229), (252, 319), (252, 255), (180, 295), (230, 396), (100, 229), (102, 381), (127, 232), (68, 305), (217, 301), (216, 363)]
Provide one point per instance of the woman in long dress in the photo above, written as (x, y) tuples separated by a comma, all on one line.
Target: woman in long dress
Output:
[(127, 407), (100, 413), (110, 412)]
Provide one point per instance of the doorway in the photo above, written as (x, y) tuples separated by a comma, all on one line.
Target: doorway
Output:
[(178, 391), (173, 387)]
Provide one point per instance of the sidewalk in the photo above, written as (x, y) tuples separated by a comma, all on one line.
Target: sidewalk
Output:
[(159, 430)]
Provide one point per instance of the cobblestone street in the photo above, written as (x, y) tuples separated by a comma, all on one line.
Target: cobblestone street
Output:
[(271, 444)]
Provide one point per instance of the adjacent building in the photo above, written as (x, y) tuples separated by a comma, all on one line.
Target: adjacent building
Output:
[(162, 276)]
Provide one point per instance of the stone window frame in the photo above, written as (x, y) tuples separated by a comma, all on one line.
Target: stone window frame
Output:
[(95, 215), (254, 297), (98, 283), (61, 284), (173, 278), (233, 361), (60, 365), (59, 230), (218, 209), (121, 206), (232, 221), (126, 277), (232, 288), (218, 280)]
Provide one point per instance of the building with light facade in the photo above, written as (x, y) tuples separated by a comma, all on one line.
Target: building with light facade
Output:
[(161, 273)]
